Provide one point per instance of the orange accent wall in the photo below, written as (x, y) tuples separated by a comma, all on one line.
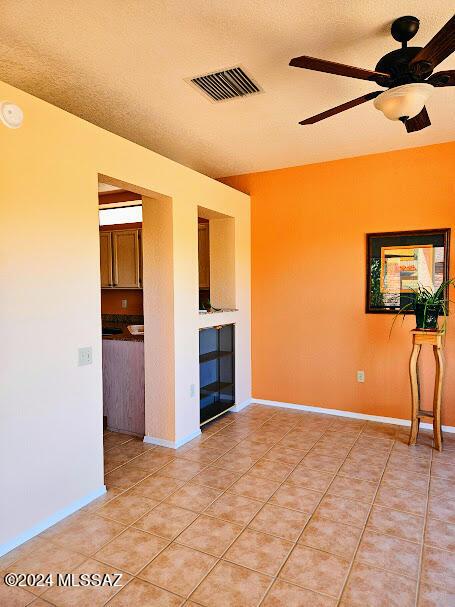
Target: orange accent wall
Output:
[(310, 333)]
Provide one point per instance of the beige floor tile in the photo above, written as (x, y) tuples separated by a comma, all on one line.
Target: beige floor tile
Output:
[(218, 478), (99, 502), (391, 553), (202, 455), (178, 569), (286, 455), (326, 463), (194, 497), (409, 462), (40, 603), (166, 521), (442, 508), (229, 585), (125, 477), (330, 536), (432, 596), (87, 533), (157, 487), (254, 487), (438, 568), (131, 550), (21, 551), (440, 487), (11, 596), (211, 535), (114, 439), (259, 551), (413, 481), (397, 498), (316, 570), (143, 594), (114, 458), (370, 587), (353, 488), (271, 470), (153, 460), (85, 596), (126, 508), (440, 534), (282, 522), (234, 508), (338, 508), (181, 469), (393, 522), (296, 497), (47, 558), (310, 478), (241, 463), (283, 594), (361, 470)]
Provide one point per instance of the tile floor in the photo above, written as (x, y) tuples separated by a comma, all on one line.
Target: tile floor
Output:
[(268, 507)]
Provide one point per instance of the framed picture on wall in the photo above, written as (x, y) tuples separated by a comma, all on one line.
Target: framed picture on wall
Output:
[(398, 262)]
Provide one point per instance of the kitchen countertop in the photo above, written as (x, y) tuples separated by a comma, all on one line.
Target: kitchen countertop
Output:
[(122, 321)]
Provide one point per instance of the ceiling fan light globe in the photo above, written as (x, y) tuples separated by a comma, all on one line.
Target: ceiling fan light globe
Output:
[(407, 100)]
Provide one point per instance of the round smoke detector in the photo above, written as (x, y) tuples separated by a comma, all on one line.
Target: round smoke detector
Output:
[(11, 115)]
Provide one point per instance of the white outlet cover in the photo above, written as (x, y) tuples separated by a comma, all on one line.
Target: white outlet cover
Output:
[(85, 356), (361, 376)]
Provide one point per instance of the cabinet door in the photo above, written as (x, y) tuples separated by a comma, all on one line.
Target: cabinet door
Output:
[(125, 244), (204, 256), (106, 259)]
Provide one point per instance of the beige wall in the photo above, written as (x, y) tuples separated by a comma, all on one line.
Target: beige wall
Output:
[(51, 409)]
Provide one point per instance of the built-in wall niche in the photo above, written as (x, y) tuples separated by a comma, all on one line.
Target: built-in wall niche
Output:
[(216, 238)]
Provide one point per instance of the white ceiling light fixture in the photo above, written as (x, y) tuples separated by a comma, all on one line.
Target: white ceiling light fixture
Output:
[(403, 102), (11, 115)]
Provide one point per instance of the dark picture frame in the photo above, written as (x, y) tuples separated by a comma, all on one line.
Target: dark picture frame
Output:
[(387, 292)]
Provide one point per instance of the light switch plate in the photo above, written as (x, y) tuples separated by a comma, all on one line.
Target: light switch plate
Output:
[(124, 303), (85, 356), (361, 376)]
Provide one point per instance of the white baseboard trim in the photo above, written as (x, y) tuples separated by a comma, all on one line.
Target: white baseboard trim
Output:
[(240, 406), (161, 442), (51, 520), (375, 418)]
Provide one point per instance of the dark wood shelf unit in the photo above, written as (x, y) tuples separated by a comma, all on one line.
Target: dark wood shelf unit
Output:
[(216, 370)]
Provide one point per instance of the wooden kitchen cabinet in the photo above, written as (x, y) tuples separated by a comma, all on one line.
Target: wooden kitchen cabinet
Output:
[(204, 255), (125, 248), (121, 259), (106, 259)]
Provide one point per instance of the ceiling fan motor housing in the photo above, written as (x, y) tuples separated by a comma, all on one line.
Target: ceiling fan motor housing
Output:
[(397, 64)]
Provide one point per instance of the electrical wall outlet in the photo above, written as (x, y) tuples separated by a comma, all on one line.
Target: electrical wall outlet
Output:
[(85, 356), (361, 376), (192, 391), (124, 303)]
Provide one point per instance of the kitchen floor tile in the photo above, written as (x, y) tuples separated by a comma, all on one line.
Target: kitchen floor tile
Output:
[(432, 596), (126, 508), (217, 478), (296, 497), (234, 508), (194, 497), (178, 569), (330, 536), (283, 594), (211, 535), (166, 521), (398, 498), (274, 471), (316, 570), (254, 487), (124, 478), (343, 509), (131, 550), (143, 594), (393, 522), (391, 553), (181, 469), (157, 487), (229, 585), (353, 488), (282, 522), (440, 534), (438, 568), (370, 587), (310, 478), (259, 551)]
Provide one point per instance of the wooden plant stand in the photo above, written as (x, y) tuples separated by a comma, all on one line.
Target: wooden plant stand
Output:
[(431, 338)]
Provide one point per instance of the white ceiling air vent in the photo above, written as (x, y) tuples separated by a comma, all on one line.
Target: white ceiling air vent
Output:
[(227, 84)]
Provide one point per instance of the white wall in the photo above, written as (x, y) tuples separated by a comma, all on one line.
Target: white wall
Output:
[(51, 409)]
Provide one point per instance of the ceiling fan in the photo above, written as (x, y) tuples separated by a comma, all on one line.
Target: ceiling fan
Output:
[(407, 73)]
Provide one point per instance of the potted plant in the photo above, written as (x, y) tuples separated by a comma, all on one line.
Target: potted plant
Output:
[(428, 306)]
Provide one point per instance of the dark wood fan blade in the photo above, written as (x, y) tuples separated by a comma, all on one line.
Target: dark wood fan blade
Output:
[(419, 122), (340, 108), (330, 67), (440, 46), (446, 78)]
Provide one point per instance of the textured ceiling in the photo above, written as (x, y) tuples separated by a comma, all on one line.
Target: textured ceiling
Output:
[(123, 65)]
